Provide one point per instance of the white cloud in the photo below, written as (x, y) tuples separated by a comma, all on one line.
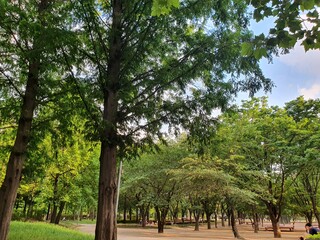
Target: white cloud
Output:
[(304, 62), (310, 93), (307, 67)]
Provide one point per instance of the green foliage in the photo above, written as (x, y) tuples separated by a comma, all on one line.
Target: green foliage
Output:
[(172, 53), (70, 158), (43, 231), (176, 63), (295, 21), (163, 7), (150, 176), (7, 133), (315, 236)]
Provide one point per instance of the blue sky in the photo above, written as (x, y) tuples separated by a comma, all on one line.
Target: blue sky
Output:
[(294, 74)]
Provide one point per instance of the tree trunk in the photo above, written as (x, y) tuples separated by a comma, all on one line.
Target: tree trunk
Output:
[(48, 212), (255, 222), (92, 214), (183, 214), (106, 221), (25, 206), (55, 198), (143, 213), (9, 187), (222, 215), (208, 216), (30, 209), (106, 228), (80, 213), (233, 225), (57, 220), (125, 210), (309, 217), (274, 220), (196, 214), (160, 226), (215, 220), (161, 217), (54, 213), (175, 212), (276, 229), (137, 215)]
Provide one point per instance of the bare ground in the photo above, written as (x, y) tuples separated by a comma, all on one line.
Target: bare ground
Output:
[(188, 233)]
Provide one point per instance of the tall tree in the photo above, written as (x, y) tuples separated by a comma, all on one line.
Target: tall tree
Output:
[(306, 115), (152, 71), (11, 182), (28, 40), (263, 136)]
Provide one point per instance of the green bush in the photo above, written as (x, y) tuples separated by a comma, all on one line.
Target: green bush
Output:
[(316, 236)]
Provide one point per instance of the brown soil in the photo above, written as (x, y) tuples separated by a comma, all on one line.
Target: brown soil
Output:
[(188, 233)]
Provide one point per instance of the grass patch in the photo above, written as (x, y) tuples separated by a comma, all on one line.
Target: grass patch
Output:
[(73, 223), (43, 231), (76, 222)]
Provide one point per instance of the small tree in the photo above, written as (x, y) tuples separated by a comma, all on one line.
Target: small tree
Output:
[(151, 177)]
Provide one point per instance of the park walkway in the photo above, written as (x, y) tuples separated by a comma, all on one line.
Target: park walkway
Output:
[(187, 233)]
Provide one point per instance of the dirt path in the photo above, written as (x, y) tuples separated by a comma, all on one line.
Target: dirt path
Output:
[(187, 233)]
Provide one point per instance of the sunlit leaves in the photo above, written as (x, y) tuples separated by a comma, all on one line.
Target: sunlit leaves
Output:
[(162, 7)]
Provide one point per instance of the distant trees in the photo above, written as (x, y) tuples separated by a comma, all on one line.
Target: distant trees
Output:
[(151, 180), (256, 158)]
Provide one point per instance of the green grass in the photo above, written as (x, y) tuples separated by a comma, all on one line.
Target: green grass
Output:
[(76, 222), (43, 231)]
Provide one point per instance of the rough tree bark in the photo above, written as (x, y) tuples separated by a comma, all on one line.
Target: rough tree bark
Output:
[(8, 190), (106, 228), (9, 187), (274, 220), (161, 217)]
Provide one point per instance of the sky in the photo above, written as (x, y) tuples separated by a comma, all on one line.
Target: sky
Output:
[(294, 74)]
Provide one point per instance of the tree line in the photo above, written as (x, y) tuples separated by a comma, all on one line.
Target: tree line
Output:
[(261, 161)]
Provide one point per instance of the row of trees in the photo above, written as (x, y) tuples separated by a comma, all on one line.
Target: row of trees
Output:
[(120, 70), (260, 161)]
